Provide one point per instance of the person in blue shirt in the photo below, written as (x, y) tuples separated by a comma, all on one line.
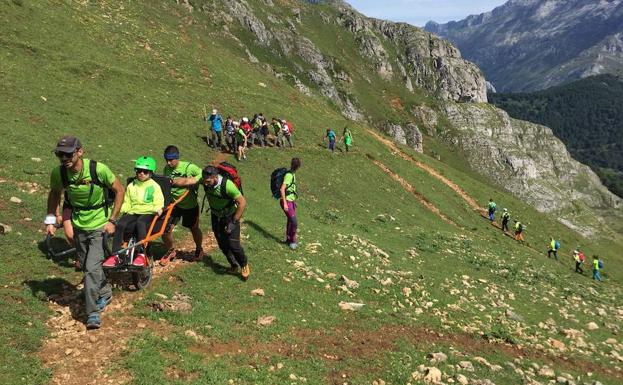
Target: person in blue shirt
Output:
[(216, 121), (331, 137)]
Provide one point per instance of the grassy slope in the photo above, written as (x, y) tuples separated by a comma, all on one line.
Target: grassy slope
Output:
[(100, 83)]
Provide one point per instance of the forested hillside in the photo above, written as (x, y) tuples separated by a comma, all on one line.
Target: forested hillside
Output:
[(586, 115)]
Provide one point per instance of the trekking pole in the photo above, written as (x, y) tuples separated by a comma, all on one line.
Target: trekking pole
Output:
[(205, 117)]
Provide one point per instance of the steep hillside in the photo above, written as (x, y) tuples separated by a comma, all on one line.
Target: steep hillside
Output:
[(527, 45), (398, 276), (586, 115)]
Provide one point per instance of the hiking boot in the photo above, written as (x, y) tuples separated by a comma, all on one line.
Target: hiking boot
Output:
[(233, 269), (293, 245), (198, 257), (168, 257), (102, 302), (140, 260), (94, 321), (245, 272), (111, 262)]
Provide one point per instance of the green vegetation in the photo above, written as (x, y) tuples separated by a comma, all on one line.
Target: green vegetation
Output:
[(586, 115), (129, 78)]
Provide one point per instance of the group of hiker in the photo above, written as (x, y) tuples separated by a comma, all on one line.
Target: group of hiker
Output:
[(552, 247), (89, 201), (331, 138), (236, 136)]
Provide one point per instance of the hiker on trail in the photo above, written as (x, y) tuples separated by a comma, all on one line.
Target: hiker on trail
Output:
[(347, 137), (286, 128), (506, 216), (227, 204), (184, 176), (330, 135), (491, 209), (230, 134), (597, 266), (142, 201), (256, 123), (554, 245), (241, 143), (263, 131), (579, 258), (519, 227), (288, 196), (217, 129), (87, 184), (276, 126)]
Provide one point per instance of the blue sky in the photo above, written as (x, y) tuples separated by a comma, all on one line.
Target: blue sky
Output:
[(418, 12)]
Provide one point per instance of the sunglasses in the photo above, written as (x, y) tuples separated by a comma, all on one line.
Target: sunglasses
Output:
[(141, 171), (64, 155)]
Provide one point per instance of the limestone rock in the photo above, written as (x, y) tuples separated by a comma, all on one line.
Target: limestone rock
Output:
[(438, 357), (433, 375), (592, 326)]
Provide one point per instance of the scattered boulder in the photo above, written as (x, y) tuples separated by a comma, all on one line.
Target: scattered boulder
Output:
[(180, 303), (353, 306), (257, 292), (265, 320), (15, 200), (351, 284), (4, 228), (433, 375), (438, 357), (546, 371), (592, 326)]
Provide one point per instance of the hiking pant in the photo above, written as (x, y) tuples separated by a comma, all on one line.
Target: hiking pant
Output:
[(504, 225), (578, 267), (491, 214), (217, 139), (129, 224), (230, 139), (550, 252), (596, 275), (291, 222), (90, 251), (332, 145), (229, 243), (289, 139), (252, 138)]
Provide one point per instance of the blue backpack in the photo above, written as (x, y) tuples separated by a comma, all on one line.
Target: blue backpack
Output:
[(557, 245), (601, 264)]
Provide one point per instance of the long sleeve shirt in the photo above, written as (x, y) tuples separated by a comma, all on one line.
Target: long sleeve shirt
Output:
[(142, 198)]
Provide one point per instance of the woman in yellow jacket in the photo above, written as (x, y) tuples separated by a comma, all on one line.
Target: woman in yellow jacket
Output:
[(143, 200)]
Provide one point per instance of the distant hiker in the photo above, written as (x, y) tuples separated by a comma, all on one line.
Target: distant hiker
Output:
[(330, 135), (579, 258), (217, 129), (491, 209), (88, 185), (519, 227), (554, 245), (241, 143), (276, 126), (287, 200), (597, 266), (506, 216), (230, 135), (254, 137), (286, 129), (142, 201), (227, 204), (184, 177), (263, 130), (347, 137)]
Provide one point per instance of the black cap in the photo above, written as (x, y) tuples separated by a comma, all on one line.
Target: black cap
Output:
[(68, 144), (209, 171)]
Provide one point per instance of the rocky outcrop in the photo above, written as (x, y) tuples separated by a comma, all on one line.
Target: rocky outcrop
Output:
[(409, 135), (528, 160)]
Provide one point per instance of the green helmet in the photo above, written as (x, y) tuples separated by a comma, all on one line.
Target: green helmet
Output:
[(146, 163)]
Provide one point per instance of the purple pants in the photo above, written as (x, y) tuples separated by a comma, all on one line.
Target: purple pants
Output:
[(332, 144), (291, 223)]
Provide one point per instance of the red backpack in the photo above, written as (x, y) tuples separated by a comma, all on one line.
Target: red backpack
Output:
[(227, 171)]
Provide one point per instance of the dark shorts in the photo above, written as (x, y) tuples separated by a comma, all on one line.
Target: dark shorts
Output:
[(190, 217), (67, 213)]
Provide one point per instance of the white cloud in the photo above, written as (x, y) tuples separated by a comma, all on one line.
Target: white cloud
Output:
[(418, 12)]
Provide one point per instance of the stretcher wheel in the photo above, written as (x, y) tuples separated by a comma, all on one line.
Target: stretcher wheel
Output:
[(141, 279)]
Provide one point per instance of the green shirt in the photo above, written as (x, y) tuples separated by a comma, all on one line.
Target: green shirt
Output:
[(492, 206), (220, 205), (142, 197), (240, 135), (79, 194), (289, 179), (596, 264), (184, 170), (348, 138)]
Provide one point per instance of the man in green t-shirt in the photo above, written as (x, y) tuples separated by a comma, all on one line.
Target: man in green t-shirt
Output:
[(184, 177), (91, 217), (227, 205), (288, 202)]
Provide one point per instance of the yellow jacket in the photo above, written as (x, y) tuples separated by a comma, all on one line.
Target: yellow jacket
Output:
[(142, 198)]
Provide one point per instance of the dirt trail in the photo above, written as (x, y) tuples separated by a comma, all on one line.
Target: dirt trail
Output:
[(434, 173), (79, 357), (421, 198)]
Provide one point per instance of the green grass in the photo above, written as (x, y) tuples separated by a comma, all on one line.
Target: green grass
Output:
[(99, 82)]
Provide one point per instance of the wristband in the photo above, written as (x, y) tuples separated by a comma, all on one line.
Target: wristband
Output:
[(113, 221), (50, 219)]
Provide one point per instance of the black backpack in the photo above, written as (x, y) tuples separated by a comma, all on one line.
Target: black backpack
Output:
[(276, 180), (108, 193)]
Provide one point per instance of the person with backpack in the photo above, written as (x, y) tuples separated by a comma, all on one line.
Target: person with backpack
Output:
[(597, 266), (184, 177), (287, 199), (519, 227), (506, 216), (241, 142), (216, 121), (330, 135), (286, 128), (89, 186), (554, 245), (579, 258), (491, 208), (142, 201), (230, 134), (347, 137), (227, 204), (263, 130), (277, 132)]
